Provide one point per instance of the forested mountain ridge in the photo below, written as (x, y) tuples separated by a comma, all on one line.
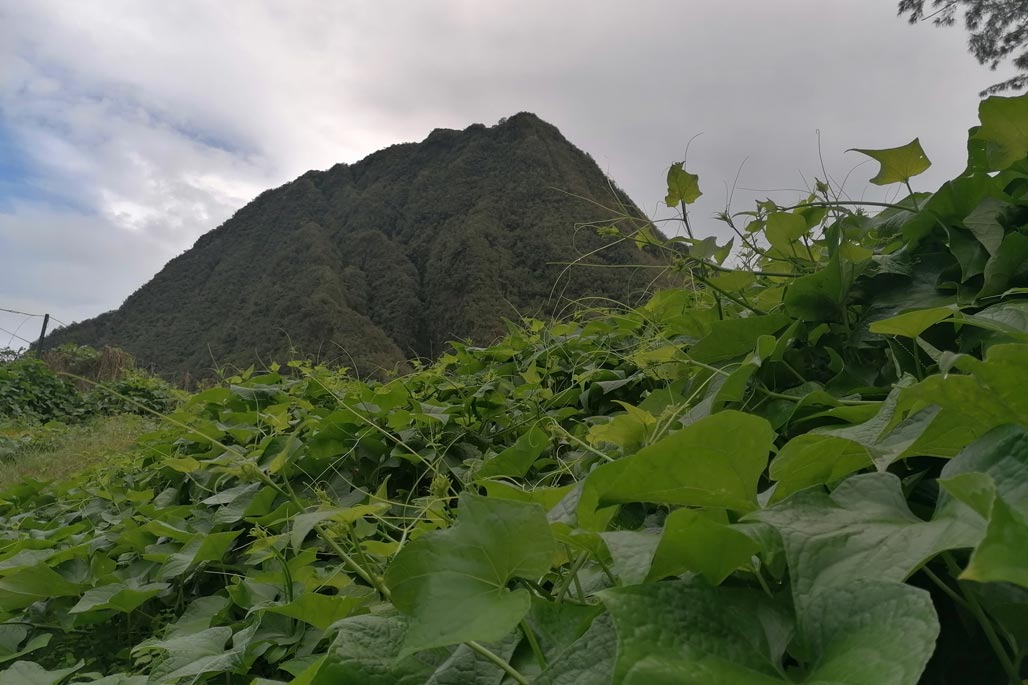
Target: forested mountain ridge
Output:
[(386, 259)]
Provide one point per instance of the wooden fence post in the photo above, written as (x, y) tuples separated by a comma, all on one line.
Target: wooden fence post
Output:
[(42, 336)]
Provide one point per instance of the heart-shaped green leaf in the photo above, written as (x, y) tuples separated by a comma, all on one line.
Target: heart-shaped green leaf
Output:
[(454, 582)]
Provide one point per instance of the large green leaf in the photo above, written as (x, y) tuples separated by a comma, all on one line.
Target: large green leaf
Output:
[(13, 642), (735, 337), (820, 296), (783, 230), (1007, 267), (943, 413), (191, 654), (870, 633), (1010, 318), (715, 462), (705, 635), (454, 582), (912, 324), (984, 223), (367, 650), (677, 633), (320, 611), (557, 626), (33, 584), (812, 459), (998, 461), (898, 164), (124, 597), (1003, 130), (589, 659), (31, 673), (631, 552), (1002, 555), (1004, 374), (988, 479), (201, 548), (696, 541), (862, 530)]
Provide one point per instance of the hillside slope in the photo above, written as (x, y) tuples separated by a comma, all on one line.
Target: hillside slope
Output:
[(380, 261)]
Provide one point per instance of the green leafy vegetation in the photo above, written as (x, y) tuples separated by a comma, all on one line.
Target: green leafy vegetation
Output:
[(77, 382), (72, 409), (57, 450), (372, 264), (807, 467)]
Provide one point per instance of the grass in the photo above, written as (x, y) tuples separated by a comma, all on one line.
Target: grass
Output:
[(56, 451)]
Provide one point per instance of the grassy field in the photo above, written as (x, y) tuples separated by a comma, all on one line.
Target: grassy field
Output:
[(56, 451)]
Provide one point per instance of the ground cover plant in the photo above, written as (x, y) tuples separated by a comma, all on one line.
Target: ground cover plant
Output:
[(807, 469), (57, 450), (55, 420), (76, 382)]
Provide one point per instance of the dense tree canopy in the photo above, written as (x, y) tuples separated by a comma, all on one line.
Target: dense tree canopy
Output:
[(998, 28)]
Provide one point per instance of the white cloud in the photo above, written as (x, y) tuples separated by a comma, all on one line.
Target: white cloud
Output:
[(146, 125)]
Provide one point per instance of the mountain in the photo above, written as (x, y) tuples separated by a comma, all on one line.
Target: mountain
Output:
[(373, 263)]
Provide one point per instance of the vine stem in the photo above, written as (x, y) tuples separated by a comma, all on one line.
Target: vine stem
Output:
[(1009, 667), (950, 592), (495, 658), (572, 572), (728, 296), (839, 203), (912, 198), (368, 577), (530, 636), (993, 638), (374, 580)]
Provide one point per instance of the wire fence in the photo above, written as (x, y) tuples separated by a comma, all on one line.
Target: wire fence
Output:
[(18, 325)]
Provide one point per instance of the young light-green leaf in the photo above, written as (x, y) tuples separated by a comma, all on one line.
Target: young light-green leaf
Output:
[(783, 230), (681, 186), (898, 164)]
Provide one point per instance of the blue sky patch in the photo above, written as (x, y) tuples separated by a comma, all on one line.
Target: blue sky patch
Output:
[(14, 167), (22, 181)]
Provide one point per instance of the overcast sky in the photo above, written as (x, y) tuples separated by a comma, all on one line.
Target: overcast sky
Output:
[(128, 129)]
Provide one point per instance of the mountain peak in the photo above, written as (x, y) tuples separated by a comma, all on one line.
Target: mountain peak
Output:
[(375, 262)]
